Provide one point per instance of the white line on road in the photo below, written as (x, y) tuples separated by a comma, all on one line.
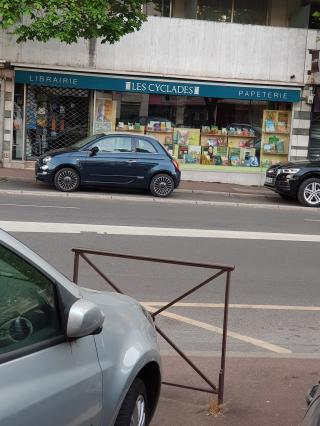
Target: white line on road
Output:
[(312, 220), (237, 306), (37, 205), (255, 342), (77, 228)]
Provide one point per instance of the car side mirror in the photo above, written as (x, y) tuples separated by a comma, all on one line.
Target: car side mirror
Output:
[(84, 318), (94, 151), (311, 394)]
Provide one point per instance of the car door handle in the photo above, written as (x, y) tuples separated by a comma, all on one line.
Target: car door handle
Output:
[(131, 161)]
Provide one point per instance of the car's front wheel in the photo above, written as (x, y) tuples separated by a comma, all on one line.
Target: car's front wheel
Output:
[(134, 410), (161, 185), (67, 179), (309, 192)]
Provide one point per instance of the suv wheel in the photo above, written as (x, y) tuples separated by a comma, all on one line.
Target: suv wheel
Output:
[(162, 185), (66, 179), (309, 193), (134, 410)]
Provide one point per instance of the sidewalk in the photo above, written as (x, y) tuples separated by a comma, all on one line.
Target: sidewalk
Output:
[(185, 186), (258, 392)]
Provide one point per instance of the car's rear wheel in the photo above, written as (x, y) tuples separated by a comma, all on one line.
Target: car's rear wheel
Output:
[(67, 179), (161, 185), (134, 409), (309, 193)]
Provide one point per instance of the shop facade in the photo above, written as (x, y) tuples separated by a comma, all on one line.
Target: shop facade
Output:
[(209, 127)]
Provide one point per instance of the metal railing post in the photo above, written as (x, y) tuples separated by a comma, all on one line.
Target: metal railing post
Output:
[(224, 341)]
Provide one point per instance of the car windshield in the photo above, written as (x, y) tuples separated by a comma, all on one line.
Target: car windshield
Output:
[(83, 142)]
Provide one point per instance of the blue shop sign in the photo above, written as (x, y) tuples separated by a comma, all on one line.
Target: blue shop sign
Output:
[(158, 87)]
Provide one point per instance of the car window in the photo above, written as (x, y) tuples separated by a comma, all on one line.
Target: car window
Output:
[(28, 307), (144, 146), (114, 144)]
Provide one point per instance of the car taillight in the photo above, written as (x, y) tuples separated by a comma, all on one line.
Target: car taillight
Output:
[(175, 163)]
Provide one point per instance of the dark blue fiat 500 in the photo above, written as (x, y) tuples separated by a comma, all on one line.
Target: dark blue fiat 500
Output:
[(124, 160)]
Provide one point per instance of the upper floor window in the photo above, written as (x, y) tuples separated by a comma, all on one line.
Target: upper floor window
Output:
[(238, 11), (250, 12), (158, 8), (215, 10)]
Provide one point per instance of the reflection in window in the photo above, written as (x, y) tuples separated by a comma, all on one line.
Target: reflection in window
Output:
[(215, 10), (28, 311), (250, 12), (114, 144), (158, 8)]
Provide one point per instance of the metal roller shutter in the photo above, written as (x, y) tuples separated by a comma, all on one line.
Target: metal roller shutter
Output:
[(55, 118)]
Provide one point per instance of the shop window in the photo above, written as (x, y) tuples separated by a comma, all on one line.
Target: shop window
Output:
[(158, 8), (250, 12), (18, 123), (209, 132), (215, 10), (55, 118)]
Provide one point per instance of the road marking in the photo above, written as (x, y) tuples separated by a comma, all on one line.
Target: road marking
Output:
[(312, 220), (37, 205), (236, 306), (77, 228), (252, 341)]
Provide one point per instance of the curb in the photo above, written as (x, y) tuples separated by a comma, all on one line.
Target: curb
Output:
[(226, 194), (151, 200)]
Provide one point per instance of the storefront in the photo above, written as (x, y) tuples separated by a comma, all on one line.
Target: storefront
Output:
[(207, 126)]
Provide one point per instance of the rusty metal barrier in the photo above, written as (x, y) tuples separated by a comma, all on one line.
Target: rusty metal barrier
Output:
[(222, 269)]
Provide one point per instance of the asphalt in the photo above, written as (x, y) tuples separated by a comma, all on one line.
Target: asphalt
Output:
[(259, 390)]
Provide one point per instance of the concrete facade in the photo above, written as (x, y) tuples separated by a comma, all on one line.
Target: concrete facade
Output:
[(180, 48)]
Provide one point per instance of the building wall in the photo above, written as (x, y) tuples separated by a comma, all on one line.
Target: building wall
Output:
[(301, 112), (6, 111), (180, 48)]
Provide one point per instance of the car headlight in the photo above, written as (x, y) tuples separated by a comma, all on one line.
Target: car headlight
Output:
[(46, 159), (289, 171)]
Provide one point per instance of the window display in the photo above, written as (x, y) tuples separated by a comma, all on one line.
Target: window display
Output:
[(105, 113), (275, 137), (215, 139)]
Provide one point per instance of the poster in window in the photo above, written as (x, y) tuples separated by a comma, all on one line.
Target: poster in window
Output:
[(105, 115)]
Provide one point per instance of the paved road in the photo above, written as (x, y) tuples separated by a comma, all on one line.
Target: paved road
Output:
[(281, 275), (275, 304)]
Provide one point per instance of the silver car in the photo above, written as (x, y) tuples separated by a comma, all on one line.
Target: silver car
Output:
[(71, 356)]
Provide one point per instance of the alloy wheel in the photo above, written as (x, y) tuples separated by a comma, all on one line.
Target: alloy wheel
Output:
[(138, 417), (312, 193), (163, 185), (68, 180)]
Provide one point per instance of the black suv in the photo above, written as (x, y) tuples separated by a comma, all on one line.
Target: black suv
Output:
[(296, 180)]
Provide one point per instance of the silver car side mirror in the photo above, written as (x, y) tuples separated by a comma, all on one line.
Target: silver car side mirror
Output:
[(84, 318)]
